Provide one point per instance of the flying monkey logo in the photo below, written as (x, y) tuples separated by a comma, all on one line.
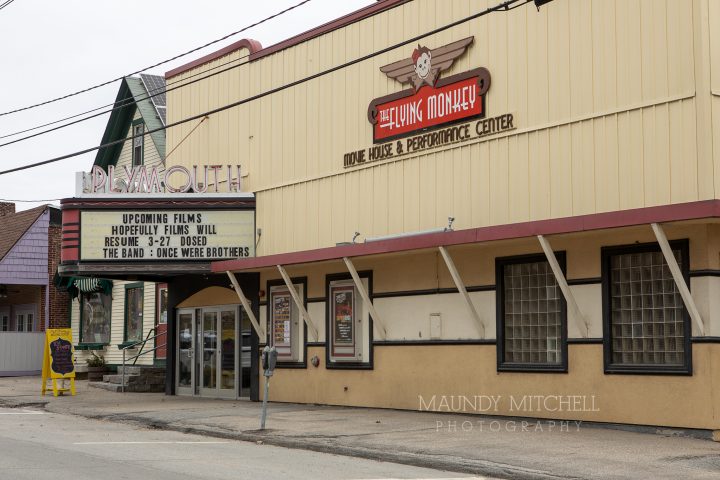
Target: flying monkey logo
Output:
[(432, 101)]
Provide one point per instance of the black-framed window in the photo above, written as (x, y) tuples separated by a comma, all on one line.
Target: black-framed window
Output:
[(95, 317), (138, 144), (348, 325), (286, 328), (531, 315), (134, 300), (646, 325)]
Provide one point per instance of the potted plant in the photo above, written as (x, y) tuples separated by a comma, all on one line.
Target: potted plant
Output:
[(96, 367)]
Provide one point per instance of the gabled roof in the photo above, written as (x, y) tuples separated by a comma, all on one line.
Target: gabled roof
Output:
[(14, 226), (134, 96)]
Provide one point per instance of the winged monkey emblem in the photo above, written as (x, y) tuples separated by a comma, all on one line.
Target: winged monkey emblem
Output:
[(425, 65)]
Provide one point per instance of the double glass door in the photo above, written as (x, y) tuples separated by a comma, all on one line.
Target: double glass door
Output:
[(212, 346)]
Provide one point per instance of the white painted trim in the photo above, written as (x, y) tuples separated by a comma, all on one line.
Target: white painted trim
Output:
[(678, 277), (366, 298), (299, 303), (463, 291), (577, 315), (246, 305)]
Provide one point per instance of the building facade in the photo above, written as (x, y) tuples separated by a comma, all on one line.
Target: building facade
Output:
[(30, 301), (612, 106), (112, 314), (452, 204)]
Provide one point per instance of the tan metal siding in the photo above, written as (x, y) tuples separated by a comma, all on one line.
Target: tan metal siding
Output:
[(603, 94)]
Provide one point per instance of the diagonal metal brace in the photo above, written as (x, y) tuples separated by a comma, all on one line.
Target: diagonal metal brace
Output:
[(246, 305), (299, 303), (578, 317), (366, 298), (678, 277), (463, 291)]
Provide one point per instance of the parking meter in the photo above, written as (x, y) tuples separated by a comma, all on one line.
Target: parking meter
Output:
[(269, 359)]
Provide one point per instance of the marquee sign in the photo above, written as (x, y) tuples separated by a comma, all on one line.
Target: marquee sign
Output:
[(155, 234), (151, 235), (432, 101)]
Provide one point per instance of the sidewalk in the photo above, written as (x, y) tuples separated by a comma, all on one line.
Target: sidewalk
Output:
[(491, 446)]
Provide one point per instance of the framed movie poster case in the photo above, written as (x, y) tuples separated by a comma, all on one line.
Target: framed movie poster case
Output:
[(346, 322), (284, 323)]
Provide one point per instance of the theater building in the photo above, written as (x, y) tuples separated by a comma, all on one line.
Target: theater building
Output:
[(522, 204)]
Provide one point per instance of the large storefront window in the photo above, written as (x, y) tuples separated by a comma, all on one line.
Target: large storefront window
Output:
[(647, 327), (348, 327), (133, 312), (531, 316), (287, 333), (95, 310)]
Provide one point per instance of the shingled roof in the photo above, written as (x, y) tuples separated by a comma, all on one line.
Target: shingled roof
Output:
[(14, 226)]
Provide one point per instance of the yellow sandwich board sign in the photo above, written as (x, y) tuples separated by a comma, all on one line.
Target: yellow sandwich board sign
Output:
[(58, 360)]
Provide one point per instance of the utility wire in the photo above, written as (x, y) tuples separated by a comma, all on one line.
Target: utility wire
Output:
[(122, 104), (130, 101), (303, 2), (6, 4), (500, 7), (30, 201), (118, 105)]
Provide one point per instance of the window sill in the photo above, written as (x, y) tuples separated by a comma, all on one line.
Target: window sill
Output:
[(291, 365), (127, 344), (648, 370), (348, 366), (532, 368), (91, 346)]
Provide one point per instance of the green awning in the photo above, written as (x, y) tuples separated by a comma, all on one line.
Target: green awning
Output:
[(75, 285)]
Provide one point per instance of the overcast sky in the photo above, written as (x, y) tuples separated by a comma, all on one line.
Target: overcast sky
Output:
[(49, 48)]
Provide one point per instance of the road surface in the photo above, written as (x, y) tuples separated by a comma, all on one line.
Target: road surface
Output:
[(35, 444)]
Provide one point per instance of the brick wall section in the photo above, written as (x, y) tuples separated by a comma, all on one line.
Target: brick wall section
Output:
[(6, 208), (59, 300)]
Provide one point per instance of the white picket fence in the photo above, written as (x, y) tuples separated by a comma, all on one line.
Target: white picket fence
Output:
[(21, 353)]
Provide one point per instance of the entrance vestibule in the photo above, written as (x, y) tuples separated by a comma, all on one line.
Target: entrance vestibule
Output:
[(213, 352)]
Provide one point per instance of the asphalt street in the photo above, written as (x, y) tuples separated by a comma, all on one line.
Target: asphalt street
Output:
[(35, 444)]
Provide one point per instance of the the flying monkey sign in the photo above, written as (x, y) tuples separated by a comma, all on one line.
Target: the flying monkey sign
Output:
[(432, 101)]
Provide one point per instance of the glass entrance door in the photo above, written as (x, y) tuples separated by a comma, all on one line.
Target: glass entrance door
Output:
[(209, 352), (185, 379)]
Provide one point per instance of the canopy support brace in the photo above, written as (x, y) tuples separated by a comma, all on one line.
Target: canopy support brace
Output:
[(578, 317), (678, 277), (246, 305), (463, 291), (299, 303), (366, 298)]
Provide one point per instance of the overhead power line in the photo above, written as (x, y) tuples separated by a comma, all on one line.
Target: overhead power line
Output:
[(3, 5), (303, 2), (504, 6), (115, 105)]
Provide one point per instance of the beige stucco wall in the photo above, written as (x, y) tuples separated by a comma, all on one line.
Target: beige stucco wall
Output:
[(402, 374), (613, 100)]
